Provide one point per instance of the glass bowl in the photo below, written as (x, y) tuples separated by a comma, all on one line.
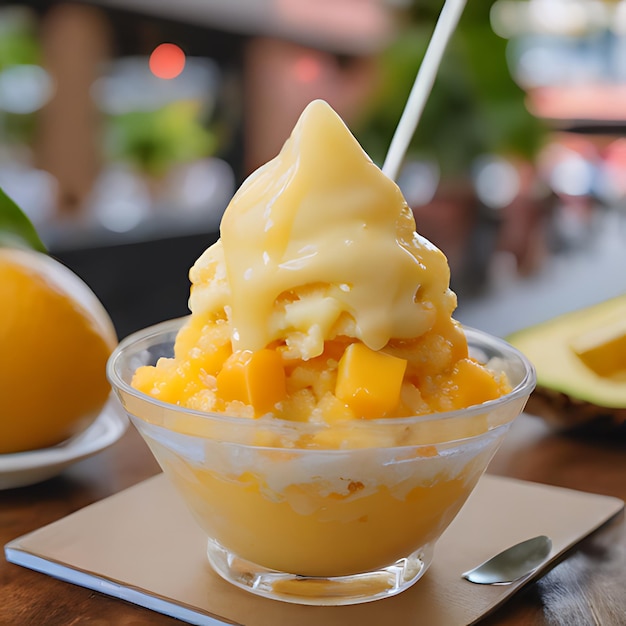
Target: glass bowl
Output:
[(317, 514)]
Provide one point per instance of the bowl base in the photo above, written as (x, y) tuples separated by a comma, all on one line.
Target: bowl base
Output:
[(318, 590)]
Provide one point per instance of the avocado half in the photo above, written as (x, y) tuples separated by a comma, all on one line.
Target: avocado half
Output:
[(580, 360)]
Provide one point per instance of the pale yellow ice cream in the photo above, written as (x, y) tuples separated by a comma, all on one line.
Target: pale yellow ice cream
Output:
[(320, 243)]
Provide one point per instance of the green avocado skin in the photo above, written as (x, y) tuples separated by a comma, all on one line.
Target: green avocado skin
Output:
[(549, 347)]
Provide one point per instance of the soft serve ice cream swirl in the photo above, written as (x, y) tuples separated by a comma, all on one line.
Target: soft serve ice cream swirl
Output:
[(319, 242)]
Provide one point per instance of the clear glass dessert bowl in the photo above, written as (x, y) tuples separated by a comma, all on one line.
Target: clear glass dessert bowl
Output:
[(318, 514)]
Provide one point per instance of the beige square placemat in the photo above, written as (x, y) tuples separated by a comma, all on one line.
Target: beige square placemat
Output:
[(142, 545)]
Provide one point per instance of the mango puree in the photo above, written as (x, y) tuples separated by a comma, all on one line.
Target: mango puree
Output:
[(307, 528)]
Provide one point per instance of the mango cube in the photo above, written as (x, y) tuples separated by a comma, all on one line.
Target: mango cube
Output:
[(472, 384), (369, 382), (254, 378)]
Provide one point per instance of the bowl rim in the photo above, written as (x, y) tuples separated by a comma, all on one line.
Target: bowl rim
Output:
[(144, 335)]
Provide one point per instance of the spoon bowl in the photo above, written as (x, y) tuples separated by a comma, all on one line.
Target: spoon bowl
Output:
[(511, 564)]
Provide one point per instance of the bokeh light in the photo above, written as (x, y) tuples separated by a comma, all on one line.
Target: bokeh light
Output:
[(307, 69), (167, 61)]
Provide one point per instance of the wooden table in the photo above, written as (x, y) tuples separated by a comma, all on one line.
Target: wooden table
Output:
[(587, 588)]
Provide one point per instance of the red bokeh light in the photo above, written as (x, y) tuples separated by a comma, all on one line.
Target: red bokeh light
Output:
[(167, 61), (307, 69)]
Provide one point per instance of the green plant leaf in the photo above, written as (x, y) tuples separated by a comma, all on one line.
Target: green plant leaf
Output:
[(16, 230)]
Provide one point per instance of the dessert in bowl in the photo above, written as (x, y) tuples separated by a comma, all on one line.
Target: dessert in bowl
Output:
[(313, 513), (320, 411)]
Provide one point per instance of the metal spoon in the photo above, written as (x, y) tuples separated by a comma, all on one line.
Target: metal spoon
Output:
[(512, 564)]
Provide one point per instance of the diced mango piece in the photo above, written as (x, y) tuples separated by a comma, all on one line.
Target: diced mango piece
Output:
[(369, 382), (254, 378), (603, 350), (211, 361), (208, 345), (471, 384), (166, 382)]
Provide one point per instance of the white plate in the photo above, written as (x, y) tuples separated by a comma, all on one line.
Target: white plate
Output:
[(27, 468)]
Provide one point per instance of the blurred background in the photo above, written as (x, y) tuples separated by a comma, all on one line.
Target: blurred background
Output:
[(127, 125)]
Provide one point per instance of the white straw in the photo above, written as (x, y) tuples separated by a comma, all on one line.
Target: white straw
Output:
[(448, 19)]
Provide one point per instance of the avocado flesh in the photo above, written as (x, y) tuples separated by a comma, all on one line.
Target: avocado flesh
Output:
[(581, 353)]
